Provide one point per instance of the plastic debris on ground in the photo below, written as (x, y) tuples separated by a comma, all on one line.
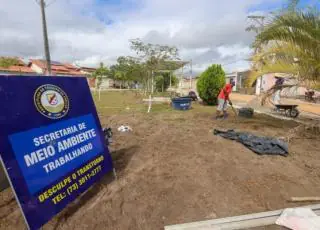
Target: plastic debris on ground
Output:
[(299, 219), (259, 145), (124, 128)]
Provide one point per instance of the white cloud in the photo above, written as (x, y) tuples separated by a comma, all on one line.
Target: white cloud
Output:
[(234, 50), (207, 31)]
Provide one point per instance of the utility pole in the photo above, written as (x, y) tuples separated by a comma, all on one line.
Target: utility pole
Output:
[(45, 36), (191, 74)]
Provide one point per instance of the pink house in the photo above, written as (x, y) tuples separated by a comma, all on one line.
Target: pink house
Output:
[(265, 82)]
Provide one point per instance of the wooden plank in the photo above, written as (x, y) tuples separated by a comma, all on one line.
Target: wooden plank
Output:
[(238, 222), (303, 199)]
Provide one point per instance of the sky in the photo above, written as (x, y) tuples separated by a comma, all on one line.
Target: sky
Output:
[(88, 32)]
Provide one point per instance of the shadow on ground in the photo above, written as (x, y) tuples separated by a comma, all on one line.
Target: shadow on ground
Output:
[(4, 184), (121, 158)]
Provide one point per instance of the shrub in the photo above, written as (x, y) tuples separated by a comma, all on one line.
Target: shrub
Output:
[(210, 83), (6, 62)]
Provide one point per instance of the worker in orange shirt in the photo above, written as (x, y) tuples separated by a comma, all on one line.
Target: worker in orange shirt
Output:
[(223, 100)]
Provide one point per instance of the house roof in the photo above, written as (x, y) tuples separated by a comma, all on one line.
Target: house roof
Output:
[(88, 69), (39, 63), (20, 62), (69, 73), (17, 69), (58, 68), (70, 66)]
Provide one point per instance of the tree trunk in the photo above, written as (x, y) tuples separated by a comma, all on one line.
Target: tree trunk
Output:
[(145, 86), (152, 86), (146, 83), (149, 85)]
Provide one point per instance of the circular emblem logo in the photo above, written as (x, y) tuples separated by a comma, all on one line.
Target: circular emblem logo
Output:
[(51, 101)]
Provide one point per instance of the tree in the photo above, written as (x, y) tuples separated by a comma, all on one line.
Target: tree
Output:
[(257, 23), (159, 79), (154, 56), (174, 81), (127, 69), (162, 81), (99, 74), (290, 44), (6, 62), (210, 83), (120, 76)]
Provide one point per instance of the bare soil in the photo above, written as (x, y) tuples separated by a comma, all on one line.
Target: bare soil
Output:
[(172, 170)]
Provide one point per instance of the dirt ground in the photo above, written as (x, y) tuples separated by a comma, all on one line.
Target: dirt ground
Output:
[(172, 169)]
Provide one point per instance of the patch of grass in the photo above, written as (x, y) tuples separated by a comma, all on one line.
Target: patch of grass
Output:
[(163, 94), (116, 102)]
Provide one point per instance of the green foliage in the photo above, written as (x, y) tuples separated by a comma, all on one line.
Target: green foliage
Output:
[(128, 69), (316, 86), (6, 62), (151, 58), (154, 54), (155, 57), (174, 81), (210, 83), (289, 43), (100, 73), (162, 82)]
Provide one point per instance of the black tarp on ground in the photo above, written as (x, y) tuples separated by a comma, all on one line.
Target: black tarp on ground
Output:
[(259, 145)]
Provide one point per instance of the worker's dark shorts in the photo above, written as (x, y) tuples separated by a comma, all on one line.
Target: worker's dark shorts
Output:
[(222, 104)]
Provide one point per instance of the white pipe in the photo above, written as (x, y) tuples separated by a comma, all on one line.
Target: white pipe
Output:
[(150, 103)]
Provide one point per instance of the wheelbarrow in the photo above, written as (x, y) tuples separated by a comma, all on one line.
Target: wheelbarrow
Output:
[(288, 110)]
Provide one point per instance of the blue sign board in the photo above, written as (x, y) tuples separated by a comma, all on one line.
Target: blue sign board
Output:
[(51, 142)]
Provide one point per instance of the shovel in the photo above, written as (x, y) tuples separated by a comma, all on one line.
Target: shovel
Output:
[(233, 109)]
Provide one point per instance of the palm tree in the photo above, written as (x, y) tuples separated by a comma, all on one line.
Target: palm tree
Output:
[(289, 43)]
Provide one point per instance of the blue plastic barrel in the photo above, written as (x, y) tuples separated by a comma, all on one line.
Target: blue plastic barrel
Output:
[(181, 103)]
